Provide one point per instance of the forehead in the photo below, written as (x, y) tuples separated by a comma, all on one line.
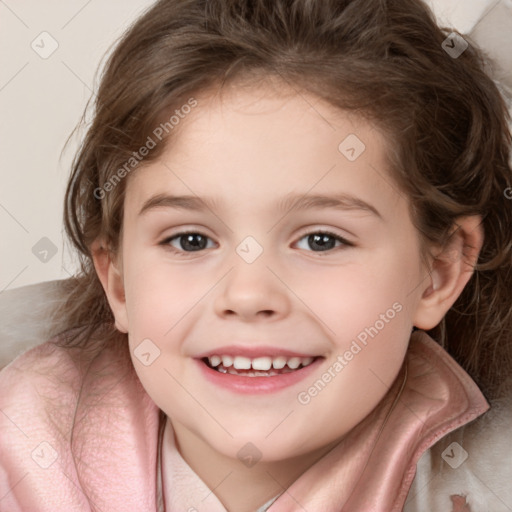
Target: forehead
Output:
[(261, 141)]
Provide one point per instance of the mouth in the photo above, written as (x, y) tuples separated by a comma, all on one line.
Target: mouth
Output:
[(258, 367), (258, 374)]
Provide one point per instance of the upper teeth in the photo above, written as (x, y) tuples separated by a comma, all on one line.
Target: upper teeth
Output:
[(260, 363)]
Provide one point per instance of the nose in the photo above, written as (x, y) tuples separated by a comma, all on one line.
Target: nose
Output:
[(253, 292)]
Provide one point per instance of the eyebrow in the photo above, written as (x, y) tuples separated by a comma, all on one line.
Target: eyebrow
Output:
[(289, 202)]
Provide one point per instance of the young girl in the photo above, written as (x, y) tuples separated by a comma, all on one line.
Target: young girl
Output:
[(293, 220)]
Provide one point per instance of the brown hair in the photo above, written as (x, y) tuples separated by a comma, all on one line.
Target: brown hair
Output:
[(382, 59)]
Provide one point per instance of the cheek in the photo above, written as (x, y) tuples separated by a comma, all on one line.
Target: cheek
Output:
[(348, 390), (159, 294), (368, 318), (368, 315), (374, 289)]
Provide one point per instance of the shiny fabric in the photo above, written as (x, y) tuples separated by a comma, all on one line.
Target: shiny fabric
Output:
[(85, 437)]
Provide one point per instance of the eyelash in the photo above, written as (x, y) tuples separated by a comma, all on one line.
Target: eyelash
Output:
[(166, 241)]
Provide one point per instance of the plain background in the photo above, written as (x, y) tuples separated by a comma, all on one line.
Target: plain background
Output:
[(42, 100)]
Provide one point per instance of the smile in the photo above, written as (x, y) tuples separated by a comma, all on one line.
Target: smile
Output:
[(257, 367), (240, 374)]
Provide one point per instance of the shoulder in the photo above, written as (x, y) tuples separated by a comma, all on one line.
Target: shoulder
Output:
[(45, 367), (39, 391), (35, 371), (63, 414), (469, 469), (46, 381), (38, 395)]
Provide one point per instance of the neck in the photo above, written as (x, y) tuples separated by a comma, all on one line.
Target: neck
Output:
[(240, 487)]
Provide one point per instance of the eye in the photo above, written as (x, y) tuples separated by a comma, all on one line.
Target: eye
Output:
[(193, 241), (189, 241), (322, 241)]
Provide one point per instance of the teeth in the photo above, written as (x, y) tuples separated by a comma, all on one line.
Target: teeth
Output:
[(262, 363), (241, 363), (215, 360), (279, 362), (259, 363), (227, 361), (294, 362)]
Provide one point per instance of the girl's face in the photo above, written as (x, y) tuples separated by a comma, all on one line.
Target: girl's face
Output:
[(256, 277)]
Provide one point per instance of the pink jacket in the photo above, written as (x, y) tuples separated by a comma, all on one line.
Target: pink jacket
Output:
[(113, 460)]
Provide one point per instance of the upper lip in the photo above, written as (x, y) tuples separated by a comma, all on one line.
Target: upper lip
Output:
[(253, 352)]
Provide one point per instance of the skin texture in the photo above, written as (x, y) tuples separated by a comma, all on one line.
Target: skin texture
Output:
[(249, 148)]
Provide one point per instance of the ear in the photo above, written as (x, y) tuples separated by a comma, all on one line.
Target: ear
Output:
[(112, 281), (452, 267)]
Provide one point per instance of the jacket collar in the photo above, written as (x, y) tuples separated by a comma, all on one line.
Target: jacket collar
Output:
[(430, 397)]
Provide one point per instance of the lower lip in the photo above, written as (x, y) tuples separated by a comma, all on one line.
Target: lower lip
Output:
[(256, 385)]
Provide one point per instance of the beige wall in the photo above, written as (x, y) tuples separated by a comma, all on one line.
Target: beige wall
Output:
[(42, 99)]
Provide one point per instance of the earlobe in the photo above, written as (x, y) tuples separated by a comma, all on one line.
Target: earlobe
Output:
[(111, 279), (452, 267)]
